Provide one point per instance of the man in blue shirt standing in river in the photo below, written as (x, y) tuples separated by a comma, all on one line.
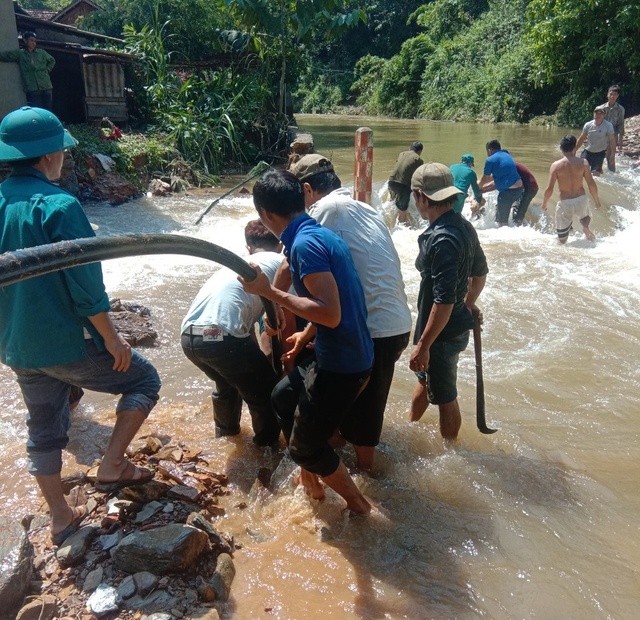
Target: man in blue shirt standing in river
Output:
[(312, 401), (501, 168), (55, 331)]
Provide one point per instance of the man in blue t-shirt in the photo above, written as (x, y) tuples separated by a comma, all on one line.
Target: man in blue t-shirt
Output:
[(313, 399), (501, 168)]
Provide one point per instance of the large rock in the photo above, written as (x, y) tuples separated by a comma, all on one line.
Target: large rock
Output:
[(16, 560), (41, 608), (223, 577), (170, 548), (113, 188), (74, 548)]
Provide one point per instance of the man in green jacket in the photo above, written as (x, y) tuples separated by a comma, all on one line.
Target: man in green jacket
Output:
[(464, 176), (55, 330), (35, 66)]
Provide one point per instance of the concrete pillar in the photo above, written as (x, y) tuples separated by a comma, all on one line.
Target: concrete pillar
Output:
[(11, 94), (363, 172)]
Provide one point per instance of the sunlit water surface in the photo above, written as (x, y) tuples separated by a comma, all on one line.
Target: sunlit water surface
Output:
[(539, 520)]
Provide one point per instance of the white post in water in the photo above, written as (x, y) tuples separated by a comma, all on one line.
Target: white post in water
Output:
[(11, 94), (363, 172)]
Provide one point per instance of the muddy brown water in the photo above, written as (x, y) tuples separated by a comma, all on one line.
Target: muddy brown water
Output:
[(539, 520)]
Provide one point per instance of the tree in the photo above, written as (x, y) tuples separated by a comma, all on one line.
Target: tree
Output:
[(285, 24), (584, 46)]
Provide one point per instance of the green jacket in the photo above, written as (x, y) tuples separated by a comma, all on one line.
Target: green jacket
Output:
[(41, 319), (34, 68)]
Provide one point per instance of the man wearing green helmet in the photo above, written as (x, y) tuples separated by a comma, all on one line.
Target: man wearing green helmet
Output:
[(55, 331), (464, 177)]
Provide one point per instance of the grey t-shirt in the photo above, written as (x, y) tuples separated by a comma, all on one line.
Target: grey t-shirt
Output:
[(597, 136)]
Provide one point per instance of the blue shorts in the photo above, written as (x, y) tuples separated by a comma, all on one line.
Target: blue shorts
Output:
[(46, 395), (442, 375)]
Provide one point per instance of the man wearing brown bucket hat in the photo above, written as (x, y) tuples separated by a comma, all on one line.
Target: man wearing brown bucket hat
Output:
[(454, 270), (55, 331)]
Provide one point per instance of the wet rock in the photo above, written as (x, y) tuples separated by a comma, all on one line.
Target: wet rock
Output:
[(156, 601), (165, 549), (92, 580), (136, 330), (177, 613), (107, 186), (103, 601), (73, 480), (146, 582), (205, 613), (147, 512), (179, 491), (158, 187), (206, 593), (223, 577), (41, 608), (145, 493), (16, 560), (154, 444), (127, 588), (73, 550), (197, 520), (109, 541), (159, 616)]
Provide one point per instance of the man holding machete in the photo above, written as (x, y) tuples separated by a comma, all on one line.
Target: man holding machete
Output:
[(454, 270)]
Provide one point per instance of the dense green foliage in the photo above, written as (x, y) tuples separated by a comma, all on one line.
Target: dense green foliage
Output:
[(136, 155), (494, 60)]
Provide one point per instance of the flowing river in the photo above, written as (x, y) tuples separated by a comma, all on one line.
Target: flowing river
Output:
[(539, 520)]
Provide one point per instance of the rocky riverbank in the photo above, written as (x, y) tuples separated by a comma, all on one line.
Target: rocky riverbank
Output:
[(151, 552), (631, 140)]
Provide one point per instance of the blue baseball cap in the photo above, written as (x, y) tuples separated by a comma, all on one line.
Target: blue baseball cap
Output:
[(32, 132), (468, 159)]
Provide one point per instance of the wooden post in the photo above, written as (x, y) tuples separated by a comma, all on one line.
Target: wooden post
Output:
[(363, 171)]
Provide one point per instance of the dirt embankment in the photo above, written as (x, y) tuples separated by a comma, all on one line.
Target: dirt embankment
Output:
[(631, 141)]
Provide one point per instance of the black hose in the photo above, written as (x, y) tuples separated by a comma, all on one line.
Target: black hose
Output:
[(42, 259)]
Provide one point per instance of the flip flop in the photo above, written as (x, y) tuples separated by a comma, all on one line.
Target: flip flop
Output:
[(60, 537), (144, 476)]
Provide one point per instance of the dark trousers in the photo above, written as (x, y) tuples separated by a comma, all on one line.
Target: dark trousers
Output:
[(520, 210), (241, 372), (311, 404), (40, 99)]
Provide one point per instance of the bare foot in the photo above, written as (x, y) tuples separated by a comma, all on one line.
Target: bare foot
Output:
[(360, 506), (588, 234), (311, 483)]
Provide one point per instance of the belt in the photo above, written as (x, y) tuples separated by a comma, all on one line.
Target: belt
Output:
[(199, 330)]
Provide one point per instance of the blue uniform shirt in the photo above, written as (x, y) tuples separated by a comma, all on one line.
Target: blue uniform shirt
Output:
[(310, 248), (503, 168), (41, 319)]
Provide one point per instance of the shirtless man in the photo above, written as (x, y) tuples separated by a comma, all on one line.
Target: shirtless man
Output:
[(570, 172)]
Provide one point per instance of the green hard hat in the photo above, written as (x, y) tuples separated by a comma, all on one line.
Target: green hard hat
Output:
[(32, 132)]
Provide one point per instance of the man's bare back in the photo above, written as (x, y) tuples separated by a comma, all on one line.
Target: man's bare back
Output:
[(570, 172)]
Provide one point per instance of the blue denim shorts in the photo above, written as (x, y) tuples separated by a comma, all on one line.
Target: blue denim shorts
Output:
[(46, 395), (442, 375)]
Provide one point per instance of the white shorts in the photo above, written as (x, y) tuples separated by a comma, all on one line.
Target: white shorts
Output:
[(568, 210)]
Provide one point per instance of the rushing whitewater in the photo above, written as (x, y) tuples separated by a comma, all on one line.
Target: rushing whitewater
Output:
[(536, 521)]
